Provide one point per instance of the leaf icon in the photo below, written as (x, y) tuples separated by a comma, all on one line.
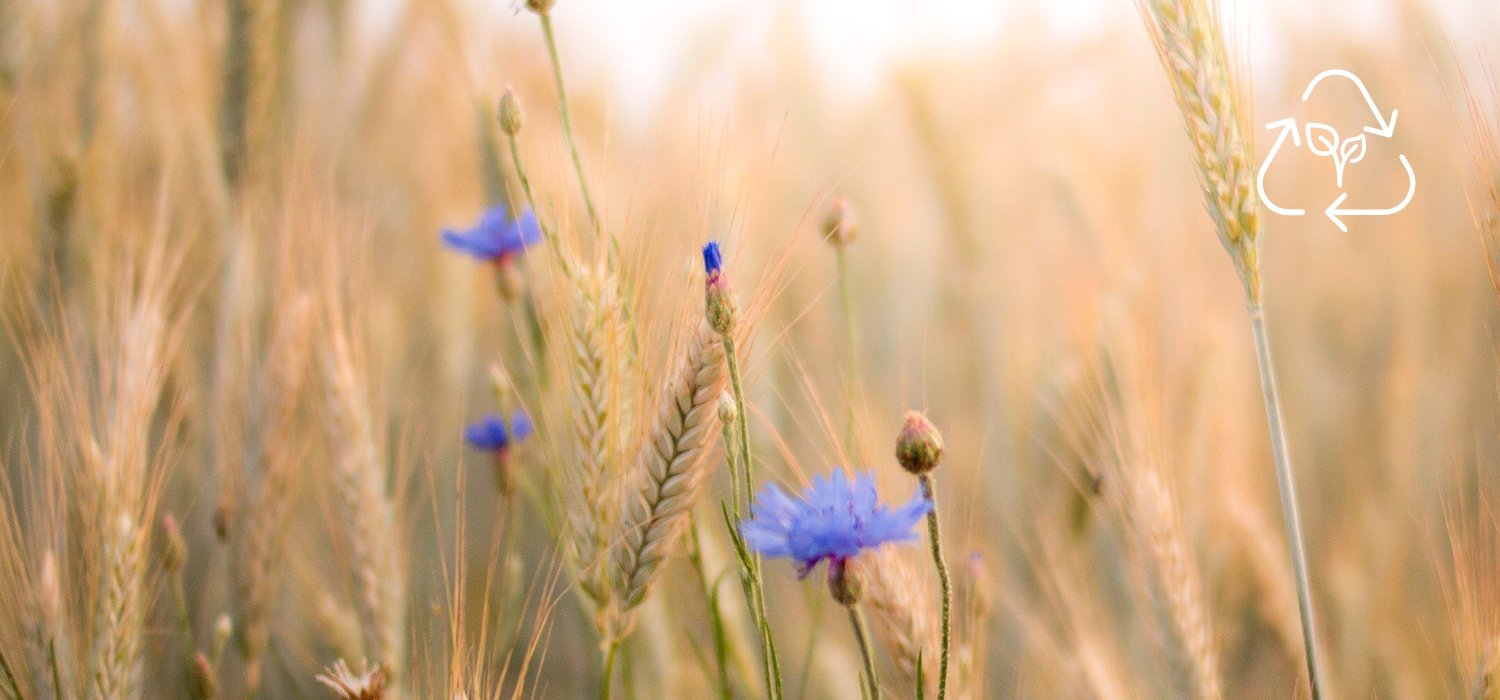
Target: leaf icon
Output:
[(1352, 151), (1322, 139)]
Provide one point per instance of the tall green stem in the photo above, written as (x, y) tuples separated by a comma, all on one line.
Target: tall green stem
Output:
[(731, 357), (934, 536), (866, 654), (609, 669), (750, 561), (1288, 488), (567, 119)]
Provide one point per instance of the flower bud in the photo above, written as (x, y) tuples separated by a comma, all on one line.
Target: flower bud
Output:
[(719, 299), (846, 581), (919, 447), (728, 412), (540, 6), (174, 554), (510, 112), (840, 227)]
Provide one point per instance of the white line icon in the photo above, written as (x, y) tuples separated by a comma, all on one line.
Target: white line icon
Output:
[(1323, 140)]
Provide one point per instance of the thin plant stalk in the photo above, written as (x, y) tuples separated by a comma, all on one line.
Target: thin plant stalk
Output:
[(57, 688), (184, 621), (846, 301), (610, 654), (1287, 486), (742, 426), (716, 617), (772, 667), (866, 654), (567, 119), (934, 536)]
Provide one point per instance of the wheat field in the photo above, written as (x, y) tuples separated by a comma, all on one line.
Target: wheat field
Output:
[(415, 349)]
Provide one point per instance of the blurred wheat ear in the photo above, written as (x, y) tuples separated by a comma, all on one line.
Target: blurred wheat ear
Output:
[(1190, 43)]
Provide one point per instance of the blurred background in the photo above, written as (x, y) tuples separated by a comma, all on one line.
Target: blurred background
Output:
[(1034, 269)]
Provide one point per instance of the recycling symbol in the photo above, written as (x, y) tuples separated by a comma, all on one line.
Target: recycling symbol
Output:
[(1324, 141)]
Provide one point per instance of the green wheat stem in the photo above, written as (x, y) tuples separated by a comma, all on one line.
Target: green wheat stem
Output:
[(716, 618), (184, 621), (934, 535), (567, 119), (752, 562), (1287, 486), (727, 433), (609, 668), (866, 654), (742, 426), (57, 689)]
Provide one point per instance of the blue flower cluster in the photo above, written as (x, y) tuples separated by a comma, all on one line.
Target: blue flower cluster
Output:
[(834, 520), (496, 236), (491, 432)]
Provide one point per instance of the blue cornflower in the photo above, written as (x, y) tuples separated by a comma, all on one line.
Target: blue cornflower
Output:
[(496, 237), (713, 260), (835, 519), (491, 433)]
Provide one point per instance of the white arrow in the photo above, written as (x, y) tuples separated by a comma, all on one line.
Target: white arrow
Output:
[(1387, 126), (1287, 126), (1333, 211)]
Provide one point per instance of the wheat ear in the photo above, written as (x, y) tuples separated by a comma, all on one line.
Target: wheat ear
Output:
[(900, 602), (365, 510), (597, 348), (256, 581), (121, 613), (1156, 523), (1190, 44), (670, 468)]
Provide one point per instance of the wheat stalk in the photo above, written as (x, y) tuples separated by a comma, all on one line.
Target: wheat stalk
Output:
[(670, 469), (1190, 44)]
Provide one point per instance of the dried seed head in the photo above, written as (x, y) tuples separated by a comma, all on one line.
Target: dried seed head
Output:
[(919, 447), (728, 412), (510, 112), (846, 581), (840, 227), (719, 297), (174, 554), (204, 683), (367, 684)]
